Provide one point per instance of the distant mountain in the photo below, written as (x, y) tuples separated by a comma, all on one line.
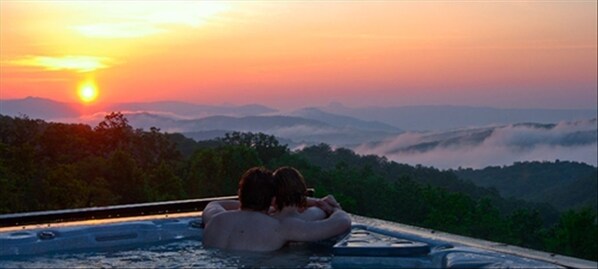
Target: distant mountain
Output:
[(578, 193), (384, 119), (38, 108), (343, 121), (48, 109), (295, 130), (193, 110), (428, 118), (563, 184)]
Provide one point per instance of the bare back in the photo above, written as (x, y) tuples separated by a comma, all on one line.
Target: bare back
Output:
[(227, 227), (243, 230)]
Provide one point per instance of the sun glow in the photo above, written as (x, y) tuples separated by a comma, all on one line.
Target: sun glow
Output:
[(88, 92), (70, 62), (135, 20)]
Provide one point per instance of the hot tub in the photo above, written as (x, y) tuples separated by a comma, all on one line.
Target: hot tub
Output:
[(174, 240), (97, 236)]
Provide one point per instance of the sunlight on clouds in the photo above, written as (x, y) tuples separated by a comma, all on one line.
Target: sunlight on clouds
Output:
[(117, 30), (139, 19), (188, 13), (69, 62)]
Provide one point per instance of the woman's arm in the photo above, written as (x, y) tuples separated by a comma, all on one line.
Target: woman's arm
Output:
[(296, 229), (313, 213), (328, 204)]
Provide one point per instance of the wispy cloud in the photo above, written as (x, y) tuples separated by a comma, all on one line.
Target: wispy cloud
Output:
[(117, 30), (76, 63), (134, 20)]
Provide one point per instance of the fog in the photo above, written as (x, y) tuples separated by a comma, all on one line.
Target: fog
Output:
[(466, 147), (490, 146)]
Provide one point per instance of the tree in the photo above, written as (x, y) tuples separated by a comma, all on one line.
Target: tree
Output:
[(266, 146), (113, 133), (125, 178), (61, 189), (214, 172), (576, 234), (524, 228), (163, 184)]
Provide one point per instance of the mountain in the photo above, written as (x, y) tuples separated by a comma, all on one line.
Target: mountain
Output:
[(48, 109), (192, 110), (578, 193), (386, 119), (563, 184), (343, 121), (38, 108), (288, 128), (429, 118)]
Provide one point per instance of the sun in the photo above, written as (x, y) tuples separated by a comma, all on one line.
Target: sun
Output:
[(88, 92)]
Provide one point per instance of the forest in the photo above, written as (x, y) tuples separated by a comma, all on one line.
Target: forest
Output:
[(47, 166)]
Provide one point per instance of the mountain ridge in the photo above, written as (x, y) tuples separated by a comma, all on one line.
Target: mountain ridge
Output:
[(383, 118), (446, 117)]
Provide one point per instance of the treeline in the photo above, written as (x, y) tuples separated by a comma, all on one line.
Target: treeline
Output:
[(45, 166), (563, 184)]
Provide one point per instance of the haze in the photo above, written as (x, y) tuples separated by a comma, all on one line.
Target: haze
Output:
[(511, 54)]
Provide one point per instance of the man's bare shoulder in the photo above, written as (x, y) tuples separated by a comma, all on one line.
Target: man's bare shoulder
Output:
[(243, 218), (243, 230)]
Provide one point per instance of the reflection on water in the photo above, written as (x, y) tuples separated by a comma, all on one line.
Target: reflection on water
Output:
[(182, 254), (294, 255)]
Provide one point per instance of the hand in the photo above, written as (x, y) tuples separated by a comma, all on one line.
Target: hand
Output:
[(328, 204), (326, 207), (329, 199)]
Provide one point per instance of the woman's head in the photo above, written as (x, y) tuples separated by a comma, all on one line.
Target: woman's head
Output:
[(256, 189), (290, 188)]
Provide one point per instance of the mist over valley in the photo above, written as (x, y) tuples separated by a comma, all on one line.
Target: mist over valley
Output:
[(439, 136)]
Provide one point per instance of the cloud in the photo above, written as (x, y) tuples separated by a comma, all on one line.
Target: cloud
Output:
[(497, 145), (117, 30), (79, 63), (136, 19)]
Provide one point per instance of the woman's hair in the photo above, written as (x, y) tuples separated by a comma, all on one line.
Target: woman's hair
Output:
[(256, 189), (290, 188)]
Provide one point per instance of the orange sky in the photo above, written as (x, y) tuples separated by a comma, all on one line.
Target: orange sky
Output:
[(293, 54)]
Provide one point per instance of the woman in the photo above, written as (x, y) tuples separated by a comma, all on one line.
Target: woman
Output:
[(290, 198)]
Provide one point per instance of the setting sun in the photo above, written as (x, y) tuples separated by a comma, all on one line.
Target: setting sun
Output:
[(88, 92)]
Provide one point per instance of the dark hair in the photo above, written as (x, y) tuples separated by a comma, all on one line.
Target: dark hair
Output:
[(290, 187), (256, 189)]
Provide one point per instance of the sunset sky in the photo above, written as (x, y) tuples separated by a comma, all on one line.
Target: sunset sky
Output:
[(508, 54)]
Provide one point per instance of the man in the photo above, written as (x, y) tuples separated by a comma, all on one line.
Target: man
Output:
[(246, 225)]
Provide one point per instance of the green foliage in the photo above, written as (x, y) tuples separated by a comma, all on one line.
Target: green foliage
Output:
[(216, 171), (266, 146), (163, 184), (524, 228), (45, 166), (422, 196), (576, 234), (563, 184)]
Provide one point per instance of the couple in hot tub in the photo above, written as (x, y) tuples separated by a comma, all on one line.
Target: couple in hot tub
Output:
[(272, 210)]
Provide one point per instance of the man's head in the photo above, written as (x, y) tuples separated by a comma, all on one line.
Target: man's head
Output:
[(256, 189), (290, 188)]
